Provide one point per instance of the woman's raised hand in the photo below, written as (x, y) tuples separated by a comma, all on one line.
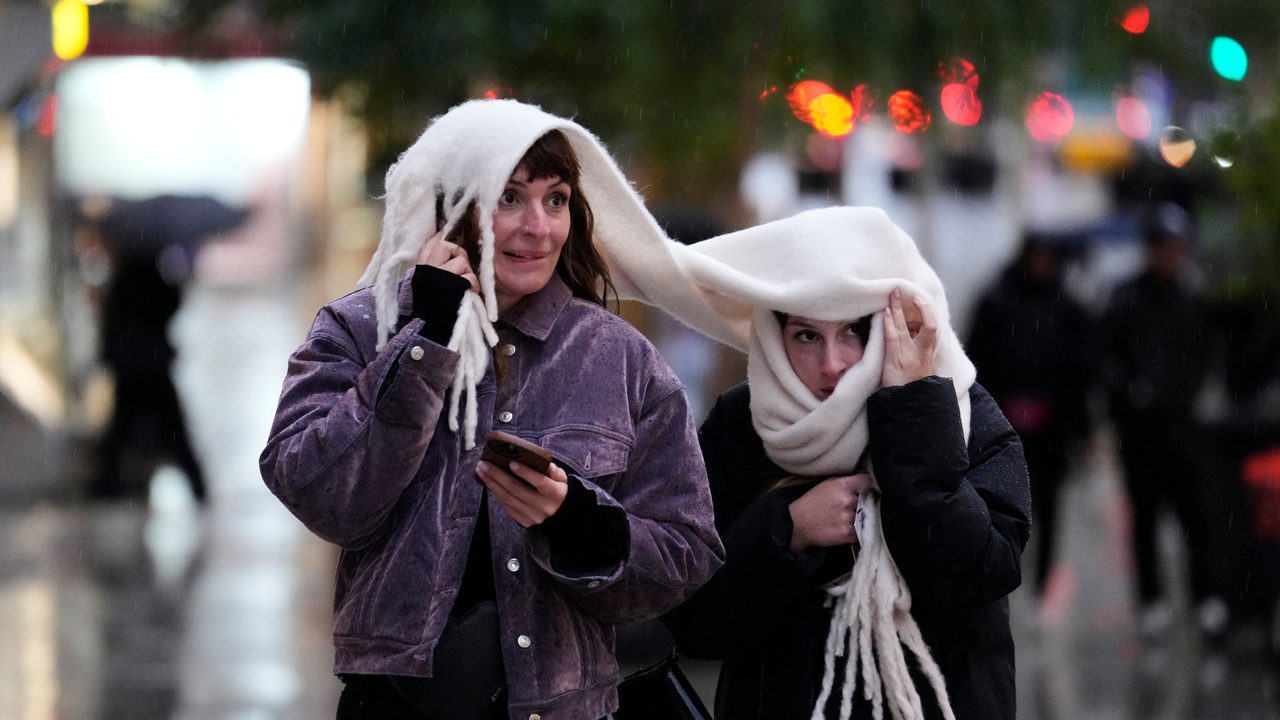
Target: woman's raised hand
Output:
[(823, 516), (909, 345), (441, 253)]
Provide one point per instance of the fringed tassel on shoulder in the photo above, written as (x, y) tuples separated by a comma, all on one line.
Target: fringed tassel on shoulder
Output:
[(472, 337), (870, 624)]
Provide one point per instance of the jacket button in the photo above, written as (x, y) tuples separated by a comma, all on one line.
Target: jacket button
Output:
[(593, 584), (505, 416), (524, 641), (508, 349), (513, 565), (535, 716), (416, 353)]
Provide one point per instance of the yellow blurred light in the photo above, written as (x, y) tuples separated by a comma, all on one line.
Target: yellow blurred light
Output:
[(802, 95), (831, 115), (1096, 151), (70, 19)]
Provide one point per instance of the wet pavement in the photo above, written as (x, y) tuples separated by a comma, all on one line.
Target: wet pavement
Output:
[(159, 608)]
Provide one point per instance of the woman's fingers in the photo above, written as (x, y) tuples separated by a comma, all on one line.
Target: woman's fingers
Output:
[(890, 332), (928, 323), (458, 265), (858, 483), (527, 495), (908, 354), (438, 252), (899, 317), (435, 251), (506, 491), (914, 317)]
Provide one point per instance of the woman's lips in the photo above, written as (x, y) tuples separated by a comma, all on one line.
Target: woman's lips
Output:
[(523, 257)]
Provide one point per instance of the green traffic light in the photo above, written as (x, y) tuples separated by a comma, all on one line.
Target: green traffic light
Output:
[(1229, 58)]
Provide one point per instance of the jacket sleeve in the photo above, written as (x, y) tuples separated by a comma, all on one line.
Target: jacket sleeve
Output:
[(672, 543), (348, 437), (955, 518), (761, 577)]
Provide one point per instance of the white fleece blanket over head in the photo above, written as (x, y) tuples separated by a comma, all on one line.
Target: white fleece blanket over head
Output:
[(837, 263), (466, 156)]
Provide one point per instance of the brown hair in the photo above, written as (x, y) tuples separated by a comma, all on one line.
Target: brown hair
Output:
[(580, 265)]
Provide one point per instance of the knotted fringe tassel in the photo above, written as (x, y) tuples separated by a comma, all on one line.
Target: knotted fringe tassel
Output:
[(870, 624), (472, 337)]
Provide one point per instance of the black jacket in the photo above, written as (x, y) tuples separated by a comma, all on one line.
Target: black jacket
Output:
[(1036, 352), (955, 518), (1156, 347)]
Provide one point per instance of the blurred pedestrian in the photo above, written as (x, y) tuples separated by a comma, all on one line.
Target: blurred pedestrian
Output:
[(152, 245), (467, 589), (872, 499), (1157, 344), (1035, 350)]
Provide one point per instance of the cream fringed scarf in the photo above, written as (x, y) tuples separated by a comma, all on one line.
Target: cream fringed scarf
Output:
[(466, 156), (830, 264)]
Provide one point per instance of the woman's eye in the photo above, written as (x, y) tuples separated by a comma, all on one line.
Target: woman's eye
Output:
[(558, 200), (806, 336), (507, 198)]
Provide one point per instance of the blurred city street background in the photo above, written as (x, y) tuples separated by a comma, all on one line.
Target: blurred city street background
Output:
[(242, 145)]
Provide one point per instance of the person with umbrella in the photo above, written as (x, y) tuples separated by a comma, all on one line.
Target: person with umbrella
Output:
[(152, 243)]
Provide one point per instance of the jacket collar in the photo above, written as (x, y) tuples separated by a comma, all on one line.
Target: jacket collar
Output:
[(404, 297), (536, 314), (533, 316)]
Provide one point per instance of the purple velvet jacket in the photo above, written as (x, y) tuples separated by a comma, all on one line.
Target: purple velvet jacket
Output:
[(361, 452)]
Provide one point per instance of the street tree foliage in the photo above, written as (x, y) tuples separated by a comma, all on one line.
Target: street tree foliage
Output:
[(683, 91), (674, 85)]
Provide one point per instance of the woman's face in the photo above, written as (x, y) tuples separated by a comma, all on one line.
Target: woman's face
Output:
[(820, 351), (530, 227)]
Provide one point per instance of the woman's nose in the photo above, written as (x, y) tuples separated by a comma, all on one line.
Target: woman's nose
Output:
[(535, 220), (833, 361)]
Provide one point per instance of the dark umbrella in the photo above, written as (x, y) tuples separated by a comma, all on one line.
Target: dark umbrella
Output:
[(151, 225)]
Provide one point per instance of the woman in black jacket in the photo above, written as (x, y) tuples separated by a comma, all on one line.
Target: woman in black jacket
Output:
[(952, 490)]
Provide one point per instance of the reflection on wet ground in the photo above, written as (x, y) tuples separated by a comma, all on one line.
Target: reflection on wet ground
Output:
[(159, 609)]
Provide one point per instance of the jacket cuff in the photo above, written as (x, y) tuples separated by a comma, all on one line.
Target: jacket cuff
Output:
[(585, 538), (763, 533), (898, 417), (437, 295)]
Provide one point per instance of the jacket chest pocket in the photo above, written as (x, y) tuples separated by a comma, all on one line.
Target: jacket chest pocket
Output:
[(588, 452)]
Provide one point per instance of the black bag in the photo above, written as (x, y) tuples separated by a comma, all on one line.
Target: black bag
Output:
[(469, 681), (659, 692)]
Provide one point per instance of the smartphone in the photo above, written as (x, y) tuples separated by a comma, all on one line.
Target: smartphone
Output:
[(500, 449)]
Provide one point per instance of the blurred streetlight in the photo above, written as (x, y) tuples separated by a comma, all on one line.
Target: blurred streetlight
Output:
[(70, 22)]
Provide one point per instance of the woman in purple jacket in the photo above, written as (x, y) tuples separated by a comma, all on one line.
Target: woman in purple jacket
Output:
[(465, 589)]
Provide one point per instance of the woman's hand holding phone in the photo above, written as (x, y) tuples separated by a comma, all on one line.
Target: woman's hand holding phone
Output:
[(529, 495)]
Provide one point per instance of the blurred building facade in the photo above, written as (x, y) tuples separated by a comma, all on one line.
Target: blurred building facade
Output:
[(135, 116)]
